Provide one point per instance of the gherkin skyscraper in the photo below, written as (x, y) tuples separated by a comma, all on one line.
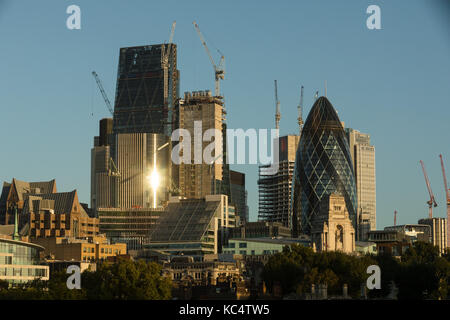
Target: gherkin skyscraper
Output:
[(323, 166)]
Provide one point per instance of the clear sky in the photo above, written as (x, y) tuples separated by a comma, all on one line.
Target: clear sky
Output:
[(392, 83)]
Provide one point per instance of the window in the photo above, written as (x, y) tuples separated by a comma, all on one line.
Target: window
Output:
[(242, 245)]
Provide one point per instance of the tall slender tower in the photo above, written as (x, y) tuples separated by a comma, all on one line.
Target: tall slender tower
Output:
[(363, 157)]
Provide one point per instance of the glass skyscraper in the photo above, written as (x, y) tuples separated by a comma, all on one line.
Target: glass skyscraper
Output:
[(323, 165)]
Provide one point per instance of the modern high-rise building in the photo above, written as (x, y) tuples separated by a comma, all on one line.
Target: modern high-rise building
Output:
[(275, 189), (363, 157), (239, 194), (199, 112), (147, 89), (136, 157), (323, 166), (122, 157), (438, 232)]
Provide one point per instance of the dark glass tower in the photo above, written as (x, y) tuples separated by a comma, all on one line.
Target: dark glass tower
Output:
[(323, 166), (147, 89)]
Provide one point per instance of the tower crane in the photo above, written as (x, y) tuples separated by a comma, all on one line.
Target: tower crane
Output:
[(112, 171), (105, 97), (277, 108), (300, 111), (432, 201), (165, 54), (219, 71), (447, 196)]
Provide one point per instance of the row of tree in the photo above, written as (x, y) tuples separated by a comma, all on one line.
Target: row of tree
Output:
[(126, 280), (421, 273)]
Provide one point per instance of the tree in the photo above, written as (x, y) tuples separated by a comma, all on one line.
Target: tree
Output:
[(126, 280)]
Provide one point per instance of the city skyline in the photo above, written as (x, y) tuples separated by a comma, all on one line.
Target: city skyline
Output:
[(370, 81)]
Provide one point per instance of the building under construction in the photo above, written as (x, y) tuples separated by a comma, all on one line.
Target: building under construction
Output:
[(198, 178), (275, 189)]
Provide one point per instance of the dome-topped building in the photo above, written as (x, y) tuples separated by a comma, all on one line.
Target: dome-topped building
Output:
[(323, 166)]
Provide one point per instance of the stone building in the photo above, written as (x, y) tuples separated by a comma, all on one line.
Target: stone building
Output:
[(332, 229)]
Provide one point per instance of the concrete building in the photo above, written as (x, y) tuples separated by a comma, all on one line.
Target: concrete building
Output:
[(332, 229), (193, 226), (130, 226), (363, 157), (80, 249), (438, 232), (239, 194), (200, 112), (275, 190)]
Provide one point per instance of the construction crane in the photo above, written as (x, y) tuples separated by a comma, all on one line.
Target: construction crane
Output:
[(277, 108), (395, 218), (112, 171), (300, 111), (219, 71), (447, 196), (165, 54), (105, 97), (432, 201)]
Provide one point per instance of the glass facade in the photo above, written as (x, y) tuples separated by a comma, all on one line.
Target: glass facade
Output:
[(323, 166), (146, 90), (20, 262)]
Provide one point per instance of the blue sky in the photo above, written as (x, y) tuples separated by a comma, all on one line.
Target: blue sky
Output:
[(393, 83)]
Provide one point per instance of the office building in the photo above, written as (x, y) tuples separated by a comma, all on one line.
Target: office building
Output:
[(20, 260), (438, 232), (137, 154), (147, 88), (193, 226), (200, 112), (239, 194), (363, 157), (323, 166), (131, 226), (275, 190)]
